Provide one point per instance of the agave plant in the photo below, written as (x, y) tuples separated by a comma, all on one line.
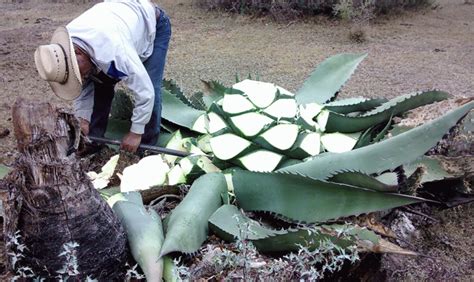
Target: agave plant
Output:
[(304, 158)]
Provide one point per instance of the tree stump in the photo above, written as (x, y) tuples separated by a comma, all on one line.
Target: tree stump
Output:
[(51, 201)]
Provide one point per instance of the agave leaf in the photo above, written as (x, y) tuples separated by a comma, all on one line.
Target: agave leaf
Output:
[(117, 128), (122, 105), (229, 224), (434, 169), (383, 132), (215, 91), (170, 270), (328, 78), (362, 180), (385, 155), (301, 198), (230, 220), (358, 104), (101, 180), (4, 170), (177, 112), (397, 130), (342, 123), (145, 235), (366, 137), (195, 100), (187, 226)]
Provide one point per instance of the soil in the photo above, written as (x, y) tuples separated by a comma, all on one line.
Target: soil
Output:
[(417, 50)]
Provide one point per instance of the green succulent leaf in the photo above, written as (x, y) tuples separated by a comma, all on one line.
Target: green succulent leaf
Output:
[(343, 123), (215, 91), (229, 224), (358, 104), (328, 78), (363, 180), (170, 270), (187, 226), (434, 168), (304, 199), (122, 105), (145, 234), (117, 128), (194, 100), (177, 112), (385, 155)]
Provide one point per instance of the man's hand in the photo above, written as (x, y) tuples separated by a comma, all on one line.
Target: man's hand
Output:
[(130, 142), (84, 126)]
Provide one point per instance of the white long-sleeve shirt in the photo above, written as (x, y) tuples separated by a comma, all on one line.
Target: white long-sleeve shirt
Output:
[(118, 35)]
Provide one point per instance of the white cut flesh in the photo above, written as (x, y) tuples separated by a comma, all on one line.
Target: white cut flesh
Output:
[(261, 94), (101, 180), (282, 108), (236, 104), (203, 143), (322, 120), (230, 184), (227, 146), (310, 143), (261, 161), (189, 145), (308, 112), (175, 143), (197, 163), (251, 124), (148, 172), (201, 124), (216, 123), (206, 164), (285, 92), (176, 175), (281, 136), (339, 142)]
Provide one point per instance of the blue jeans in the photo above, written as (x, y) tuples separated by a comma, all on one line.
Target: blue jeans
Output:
[(155, 65)]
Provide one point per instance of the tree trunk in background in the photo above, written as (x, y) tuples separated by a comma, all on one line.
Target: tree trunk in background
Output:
[(51, 201)]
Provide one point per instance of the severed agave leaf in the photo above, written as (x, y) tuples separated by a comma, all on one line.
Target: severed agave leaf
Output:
[(144, 232), (229, 223), (148, 172), (187, 227), (101, 180)]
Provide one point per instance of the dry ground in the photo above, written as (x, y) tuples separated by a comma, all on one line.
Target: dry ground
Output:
[(414, 51)]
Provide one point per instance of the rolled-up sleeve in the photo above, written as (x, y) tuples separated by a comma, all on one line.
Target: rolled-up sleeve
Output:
[(84, 104), (139, 82)]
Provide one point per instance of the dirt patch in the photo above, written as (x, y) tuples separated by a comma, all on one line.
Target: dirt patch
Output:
[(411, 52)]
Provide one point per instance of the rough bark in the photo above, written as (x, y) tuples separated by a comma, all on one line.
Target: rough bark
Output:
[(51, 201)]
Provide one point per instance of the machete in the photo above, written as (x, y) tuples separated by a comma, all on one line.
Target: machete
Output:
[(150, 148)]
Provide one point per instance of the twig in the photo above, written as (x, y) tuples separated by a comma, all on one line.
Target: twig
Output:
[(164, 196), (421, 214)]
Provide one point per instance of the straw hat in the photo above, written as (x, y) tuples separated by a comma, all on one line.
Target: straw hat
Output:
[(57, 64)]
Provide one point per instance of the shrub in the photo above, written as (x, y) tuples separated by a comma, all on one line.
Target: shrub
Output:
[(294, 8)]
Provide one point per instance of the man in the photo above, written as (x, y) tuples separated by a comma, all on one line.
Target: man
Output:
[(117, 40)]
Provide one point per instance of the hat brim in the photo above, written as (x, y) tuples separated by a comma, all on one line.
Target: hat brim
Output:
[(70, 89)]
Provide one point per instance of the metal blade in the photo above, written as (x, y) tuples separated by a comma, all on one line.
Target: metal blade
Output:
[(150, 148)]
